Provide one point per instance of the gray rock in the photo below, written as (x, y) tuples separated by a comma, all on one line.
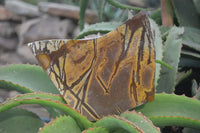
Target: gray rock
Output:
[(8, 43), (24, 28), (47, 27), (26, 55), (7, 29), (68, 11), (7, 15), (10, 58), (22, 8)]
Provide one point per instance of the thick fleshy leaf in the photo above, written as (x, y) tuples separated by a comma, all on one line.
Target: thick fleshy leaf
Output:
[(171, 55), (141, 121), (60, 125), (190, 54), (186, 13), (103, 27), (114, 123), (47, 100), (172, 110), (96, 130), (190, 130), (189, 59), (196, 4), (159, 50), (19, 120), (26, 76), (191, 38), (182, 76)]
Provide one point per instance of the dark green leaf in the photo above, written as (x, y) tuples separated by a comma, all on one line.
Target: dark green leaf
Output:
[(191, 38), (188, 62), (19, 121), (186, 13), (190, 130), (196, 4)]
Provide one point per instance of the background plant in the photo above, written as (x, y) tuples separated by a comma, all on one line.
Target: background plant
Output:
[(177, 43)]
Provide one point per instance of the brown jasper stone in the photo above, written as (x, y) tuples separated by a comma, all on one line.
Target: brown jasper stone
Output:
[(105, 75)]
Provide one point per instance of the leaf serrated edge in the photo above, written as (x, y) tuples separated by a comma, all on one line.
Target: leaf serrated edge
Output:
[(144, 117), (13, 86), (91, 128), (158, 107), (120, 121), (82, 121)]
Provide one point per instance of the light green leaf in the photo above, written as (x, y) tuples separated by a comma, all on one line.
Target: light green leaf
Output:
[(159, 50), (61, 125), (96, 130), (26, 76), (171, 55), (102, 27), (141, 121)]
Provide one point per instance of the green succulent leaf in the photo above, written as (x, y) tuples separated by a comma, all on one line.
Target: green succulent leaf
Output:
[(19, 120), (114, 123), (141, 121), (191, 38), (172, 110), (21, 77), (61, 125), (96, 130), (103, 27), (171, 55), (196, 4), (182, 76), (43, 99), (190, 130), (83, 7), (186, 13), (159, 50), (123, 6)]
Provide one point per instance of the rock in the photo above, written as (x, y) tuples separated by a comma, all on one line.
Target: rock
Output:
[(26, 55), (10, 58), (24, 28), (3, 95), (13, 94), (7, 15), (47, 27), (68, 11), (22, 8), (7, 29), (8, 43)]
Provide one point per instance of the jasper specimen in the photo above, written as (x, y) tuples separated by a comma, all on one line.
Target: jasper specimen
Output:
[(105, 75)]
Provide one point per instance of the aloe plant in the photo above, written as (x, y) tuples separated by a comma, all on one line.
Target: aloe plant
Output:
[(166, 110)]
